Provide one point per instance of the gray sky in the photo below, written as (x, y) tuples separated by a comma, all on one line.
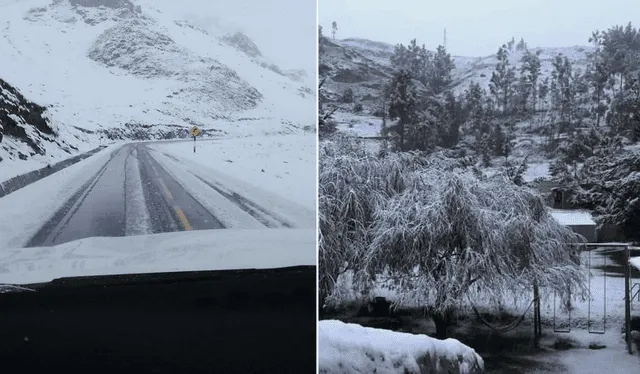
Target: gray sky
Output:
[(284, 30), (476, 27)]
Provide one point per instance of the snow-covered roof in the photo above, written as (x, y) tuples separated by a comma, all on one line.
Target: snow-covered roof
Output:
[(573, 217)]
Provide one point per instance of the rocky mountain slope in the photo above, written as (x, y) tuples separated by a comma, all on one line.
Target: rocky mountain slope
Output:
[(115, 69)]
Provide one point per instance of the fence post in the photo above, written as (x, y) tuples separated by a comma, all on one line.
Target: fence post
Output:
[(627, 302), (536, 315)]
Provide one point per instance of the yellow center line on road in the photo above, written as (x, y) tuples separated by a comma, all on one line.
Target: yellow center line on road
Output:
[(182, 218), (166, 190)]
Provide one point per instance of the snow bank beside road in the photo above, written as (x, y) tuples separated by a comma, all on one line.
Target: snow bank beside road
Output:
[(352, 348), (288, 161)]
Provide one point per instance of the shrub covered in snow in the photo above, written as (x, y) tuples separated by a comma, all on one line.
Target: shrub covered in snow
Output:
[(351, 348), (437, 230)]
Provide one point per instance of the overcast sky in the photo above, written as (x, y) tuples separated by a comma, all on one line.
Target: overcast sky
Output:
[(476, 27), (284, 30)]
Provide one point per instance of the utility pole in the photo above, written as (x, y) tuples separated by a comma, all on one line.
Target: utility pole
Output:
[(445, 38)]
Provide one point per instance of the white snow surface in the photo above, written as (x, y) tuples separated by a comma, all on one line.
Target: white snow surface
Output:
[(536, 171), (167, 252), (635, 261), (572, 217), (351, 348), (284, 165), (101, 67)]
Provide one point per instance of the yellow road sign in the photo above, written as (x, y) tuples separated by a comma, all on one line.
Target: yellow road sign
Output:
[(195, 131)]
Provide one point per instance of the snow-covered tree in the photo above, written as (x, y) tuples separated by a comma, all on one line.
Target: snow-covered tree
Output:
[(502, 80), (561, 88), (450, 234), (334, 29), (435, 230), (439, 73), (402, 105), (530, 71), (597, 75), (326, 125), (609, 184), (413, 58)]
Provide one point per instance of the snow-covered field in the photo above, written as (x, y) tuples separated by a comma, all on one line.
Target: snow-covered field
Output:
[(55, 54), (183, 251), (351, 348), (360, 125)]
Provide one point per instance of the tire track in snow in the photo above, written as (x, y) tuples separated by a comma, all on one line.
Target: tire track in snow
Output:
[(137, 219), (264, 216), (261, 214)]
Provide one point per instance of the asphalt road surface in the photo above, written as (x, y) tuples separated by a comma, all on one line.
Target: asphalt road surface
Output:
[(107, 204)]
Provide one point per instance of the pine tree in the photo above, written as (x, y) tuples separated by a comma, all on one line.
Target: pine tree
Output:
[(499, 141), (439, 75), (597, 74), (531, 71), (543, 90), (502, 80), (561, 88), (334, 29), (414, 59), (402, 104)]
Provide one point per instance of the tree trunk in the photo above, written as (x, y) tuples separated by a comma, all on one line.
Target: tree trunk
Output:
[(321, 300), (441, 322), (598, 109), (401, 135), (537, 331)]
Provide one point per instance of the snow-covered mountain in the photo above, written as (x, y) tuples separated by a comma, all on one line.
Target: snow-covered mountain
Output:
[(112, 68), (364, 66)]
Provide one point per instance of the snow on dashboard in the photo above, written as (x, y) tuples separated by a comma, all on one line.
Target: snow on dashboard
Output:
[(157, 253)]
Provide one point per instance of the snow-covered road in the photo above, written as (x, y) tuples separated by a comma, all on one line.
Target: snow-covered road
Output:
[(143, 188)]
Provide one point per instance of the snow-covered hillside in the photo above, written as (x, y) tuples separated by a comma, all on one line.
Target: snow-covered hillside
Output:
[(479, 69), (101, 67), (364, 66)]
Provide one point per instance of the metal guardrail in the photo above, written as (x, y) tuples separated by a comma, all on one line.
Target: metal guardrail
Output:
[(24, 180)]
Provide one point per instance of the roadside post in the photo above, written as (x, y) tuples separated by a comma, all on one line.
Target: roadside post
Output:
[(194, 131)]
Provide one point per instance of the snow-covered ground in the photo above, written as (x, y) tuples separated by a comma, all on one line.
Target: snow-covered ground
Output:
[(360, 125), (58, 54), (168, 252), (605, 289), (536, 171), (284, 165), (572, 217), (351, 348)]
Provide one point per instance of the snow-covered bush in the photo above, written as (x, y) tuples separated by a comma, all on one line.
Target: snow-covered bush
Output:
[(351, 348), (436, 229)]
